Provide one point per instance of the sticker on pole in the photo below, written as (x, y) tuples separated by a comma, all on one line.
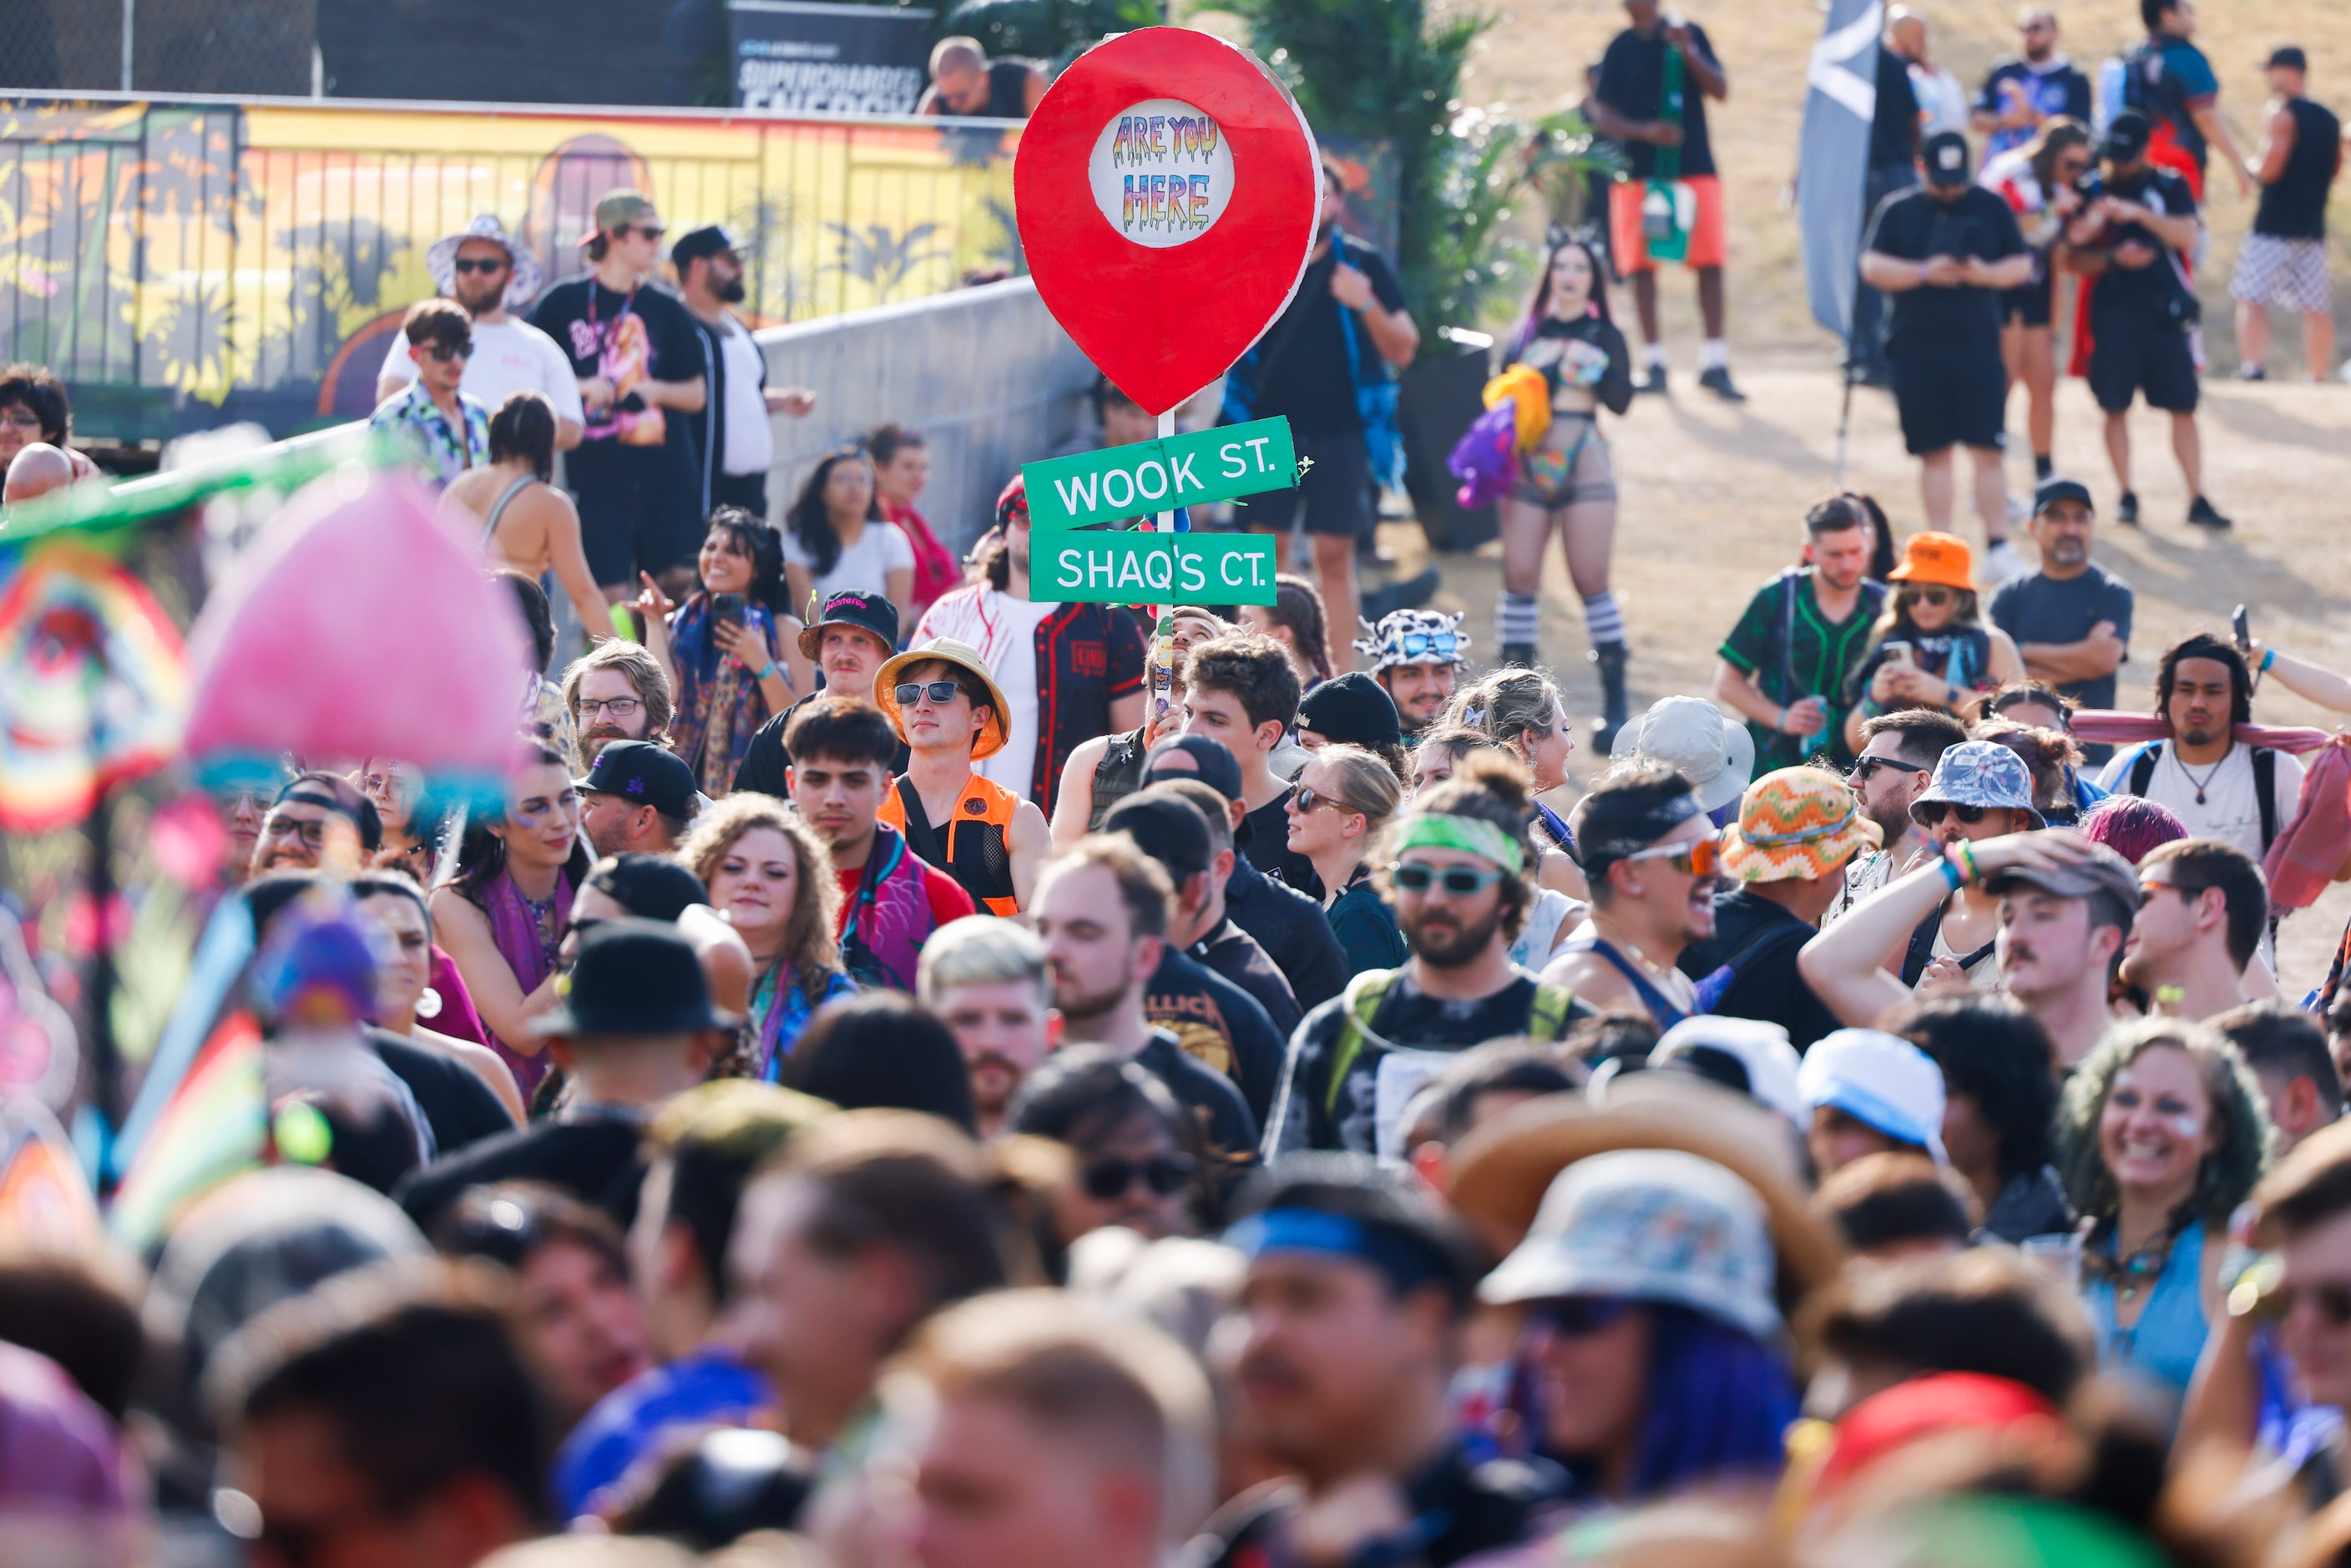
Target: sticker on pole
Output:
[(1167, 191)]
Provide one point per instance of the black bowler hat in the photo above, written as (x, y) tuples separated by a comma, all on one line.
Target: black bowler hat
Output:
[(1212, 763), (1167, 828), (642, 774), (634, 977), (1353, 708), (852, 607), (2056, 489)]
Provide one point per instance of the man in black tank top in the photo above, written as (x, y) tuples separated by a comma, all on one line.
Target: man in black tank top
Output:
[(965, 82), (2283, 263)]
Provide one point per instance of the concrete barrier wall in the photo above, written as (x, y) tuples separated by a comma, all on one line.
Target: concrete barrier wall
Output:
[(983, 373)]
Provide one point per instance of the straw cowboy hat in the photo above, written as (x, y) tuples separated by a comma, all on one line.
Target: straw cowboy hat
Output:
[(964, 657)]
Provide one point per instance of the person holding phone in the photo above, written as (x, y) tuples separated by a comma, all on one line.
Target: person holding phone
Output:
[(731, 650), (1930, 649)]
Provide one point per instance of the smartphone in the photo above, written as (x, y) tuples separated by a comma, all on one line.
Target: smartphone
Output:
[(1898, 653), (2243, 629), (728, 606)]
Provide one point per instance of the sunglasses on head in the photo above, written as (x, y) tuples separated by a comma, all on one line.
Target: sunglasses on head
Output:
[(1701, 857), (1577, 1316), (1460, 880), (443, 353), (1430, 646), (1930, 812), (1863, 771), (1106, 1179), (912, 691), (480, 264)]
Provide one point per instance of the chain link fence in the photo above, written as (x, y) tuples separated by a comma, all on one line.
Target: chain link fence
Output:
[(242, 47)]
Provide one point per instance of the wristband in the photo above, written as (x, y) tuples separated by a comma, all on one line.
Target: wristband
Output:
[(1779, 725), (1949, 866), (1968, 853), (764, 671), (2269, 657)]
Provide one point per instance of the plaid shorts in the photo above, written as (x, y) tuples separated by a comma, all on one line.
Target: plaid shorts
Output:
[(2288, 272)]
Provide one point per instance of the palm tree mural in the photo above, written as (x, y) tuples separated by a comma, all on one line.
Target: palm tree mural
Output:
[(880, 260)]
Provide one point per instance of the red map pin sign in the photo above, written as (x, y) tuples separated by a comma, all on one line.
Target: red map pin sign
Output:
[(1166, 191)]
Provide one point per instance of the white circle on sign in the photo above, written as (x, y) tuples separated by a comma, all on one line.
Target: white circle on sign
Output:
[(1162, 173)]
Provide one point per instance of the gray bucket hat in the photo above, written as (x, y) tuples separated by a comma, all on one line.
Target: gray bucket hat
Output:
[(1981, 773), (441, 260)]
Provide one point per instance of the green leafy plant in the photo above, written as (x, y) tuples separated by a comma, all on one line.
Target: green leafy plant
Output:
[(1050, 30)]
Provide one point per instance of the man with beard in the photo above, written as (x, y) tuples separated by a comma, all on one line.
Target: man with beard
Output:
[(1416, 655), (1899, 754), (853, 635), (1652, 863), (636, 797), (1461, 884), (2242, 795), (617, 691), (987, 982), (731, 432), (2037, 84), (2204, 908), (486, 269), (1788, 663), (313, 810), (1102, 911), (1357, 1290), (2070, 620)]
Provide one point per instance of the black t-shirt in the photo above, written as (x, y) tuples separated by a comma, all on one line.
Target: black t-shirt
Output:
[(462, 1109), (581, 315), (1893, 128), (1227, 1131), (1474, 1507), (597, 1160), (1761, 939), (1217, 1023), (765, 758), (1912, 225), (1266, 844), (1633, 83), (1237, 956), (1301, 370), (1292, 928), (2148, 288)]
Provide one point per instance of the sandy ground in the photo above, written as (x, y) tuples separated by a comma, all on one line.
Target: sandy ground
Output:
[(1713, 498)]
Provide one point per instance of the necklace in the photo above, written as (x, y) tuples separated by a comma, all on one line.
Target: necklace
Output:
[(542, 917), (2209, 774)]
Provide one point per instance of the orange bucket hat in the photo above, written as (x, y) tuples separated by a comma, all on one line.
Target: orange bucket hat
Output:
[(1795, 823), (1943, 560)]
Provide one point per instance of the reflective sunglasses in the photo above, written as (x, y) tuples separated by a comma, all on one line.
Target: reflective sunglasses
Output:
[(1574, 1317), (1163, 1174), (442, 353), (479, 264), (1703, 857), (1460, 880), (1445, 645), (1930, 812), (939, 692), (1863, 771)]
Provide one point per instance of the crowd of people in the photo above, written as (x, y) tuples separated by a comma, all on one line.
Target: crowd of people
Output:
[(911, 1073)]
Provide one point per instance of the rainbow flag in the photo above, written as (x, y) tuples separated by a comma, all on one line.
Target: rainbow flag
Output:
[(215, 1126)]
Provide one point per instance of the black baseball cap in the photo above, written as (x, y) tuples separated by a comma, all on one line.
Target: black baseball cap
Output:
[(634, 977), (1354, 708), (2056, 489), (1212, 764), (2287, 57), (1167, 828), (1945, 154), (708, 240), (852, 607), (2126, 137), (652, 887), (644, 774)]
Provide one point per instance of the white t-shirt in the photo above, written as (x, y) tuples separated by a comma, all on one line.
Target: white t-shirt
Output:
[(863, 567), (509, 357), (750, 440), (1941, 100), (1004, 630), (2230, 810)]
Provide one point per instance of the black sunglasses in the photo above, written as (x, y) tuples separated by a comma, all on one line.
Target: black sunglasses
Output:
[(443, 352), (2331, 1297), (914, 692), (1930, 812), (1576, 1316), (1863, 772), (480, 264), (1163, 1174), (1460, 880), (1935, 596)]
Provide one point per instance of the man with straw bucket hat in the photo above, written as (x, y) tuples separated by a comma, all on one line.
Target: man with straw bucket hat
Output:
[(950, 710), (1785, 858)]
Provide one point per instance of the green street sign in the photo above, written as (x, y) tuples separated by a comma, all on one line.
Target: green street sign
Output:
[(1160, 476), (1133, 567)]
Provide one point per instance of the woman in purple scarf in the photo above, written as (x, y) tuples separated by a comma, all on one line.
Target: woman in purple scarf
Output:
[(502, 916)]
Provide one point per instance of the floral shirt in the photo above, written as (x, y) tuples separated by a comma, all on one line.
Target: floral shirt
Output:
[(417, 420)]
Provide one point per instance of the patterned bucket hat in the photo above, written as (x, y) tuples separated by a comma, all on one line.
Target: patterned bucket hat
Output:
[(1649, 1225), (1413, 637), (522, 284), (1981, 773), (1795, 823)]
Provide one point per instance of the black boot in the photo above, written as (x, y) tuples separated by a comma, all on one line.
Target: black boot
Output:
[(1517, 656), (1612, 658)]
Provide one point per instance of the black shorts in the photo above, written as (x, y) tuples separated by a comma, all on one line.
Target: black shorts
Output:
[(2133, 352), (1949, 399), (640, 508), (1336, 491), (2029, 306)]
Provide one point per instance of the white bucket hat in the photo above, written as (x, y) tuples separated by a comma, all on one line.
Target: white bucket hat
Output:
[(441, 260), (1690, 733)]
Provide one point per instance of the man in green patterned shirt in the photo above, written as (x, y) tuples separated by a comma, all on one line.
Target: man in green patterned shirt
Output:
[(1786, 665)]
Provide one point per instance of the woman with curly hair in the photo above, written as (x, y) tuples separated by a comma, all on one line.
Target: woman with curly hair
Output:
[(2161, 1134), (2000, 1096), (772, 878)]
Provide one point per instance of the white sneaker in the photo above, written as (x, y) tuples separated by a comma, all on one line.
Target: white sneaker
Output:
[(2019, 509), (2002, 563)]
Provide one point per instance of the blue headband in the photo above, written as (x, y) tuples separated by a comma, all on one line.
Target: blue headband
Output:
[(1405, 1262)]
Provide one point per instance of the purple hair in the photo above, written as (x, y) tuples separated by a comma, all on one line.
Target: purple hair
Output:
[(2131, 826), (1540, 301)]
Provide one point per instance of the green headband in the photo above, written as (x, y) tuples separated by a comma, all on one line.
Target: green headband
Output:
[(1470, 835)]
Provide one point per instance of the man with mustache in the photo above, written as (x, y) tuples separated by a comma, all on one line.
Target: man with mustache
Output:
[(732, 432), (1462, 882), (617, 691), (1357, 1289), (2063, 931), (987, 982), (2072, 620), (2241, 795)]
